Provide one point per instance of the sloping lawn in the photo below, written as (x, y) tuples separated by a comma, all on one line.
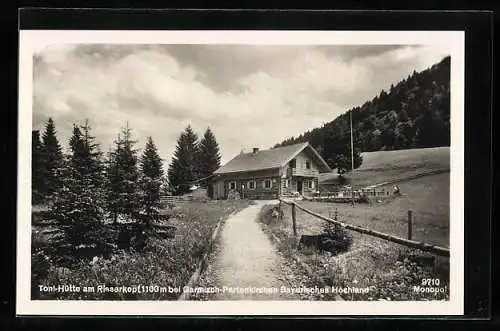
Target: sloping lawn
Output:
[(426, 197), (371, 261), (383, 166)]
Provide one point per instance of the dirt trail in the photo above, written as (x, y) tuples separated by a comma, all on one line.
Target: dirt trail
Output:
[(247, 258)]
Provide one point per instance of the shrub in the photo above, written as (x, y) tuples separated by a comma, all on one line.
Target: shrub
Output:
[(335, 238), (363, 199), (265, 215)]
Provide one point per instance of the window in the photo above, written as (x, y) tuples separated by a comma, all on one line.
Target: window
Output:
[(310, 183), (293, 163), (287, 183), (267, 183), (251, 185), (308, 164), (232, 185)]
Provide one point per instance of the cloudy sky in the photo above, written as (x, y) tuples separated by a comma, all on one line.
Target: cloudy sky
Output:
[(248, 95)]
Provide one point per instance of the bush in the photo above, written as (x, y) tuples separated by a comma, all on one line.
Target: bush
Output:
[(363, 199), (270, 215), (335, 238)]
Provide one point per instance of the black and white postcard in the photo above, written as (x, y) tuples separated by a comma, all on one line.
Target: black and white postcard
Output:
[(241, 173)]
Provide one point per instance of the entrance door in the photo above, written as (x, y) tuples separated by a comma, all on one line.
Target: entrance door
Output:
[(299, 186)]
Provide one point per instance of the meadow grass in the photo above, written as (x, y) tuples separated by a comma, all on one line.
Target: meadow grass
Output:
[(383, 166), (385, 266)]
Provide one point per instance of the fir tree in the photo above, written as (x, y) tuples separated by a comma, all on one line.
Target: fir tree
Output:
[(208, 156), (93, 156), (125, 182), (37, 174), (151, 180), (78, 204), (112, 181), (183, 170), (76, 145), (51, 159), (343, 160)]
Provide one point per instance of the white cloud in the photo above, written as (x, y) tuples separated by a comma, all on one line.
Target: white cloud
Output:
[(283, 92)]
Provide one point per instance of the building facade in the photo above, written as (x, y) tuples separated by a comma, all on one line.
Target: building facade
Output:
[(269, 174)]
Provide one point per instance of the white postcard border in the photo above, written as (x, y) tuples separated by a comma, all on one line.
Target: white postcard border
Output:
[(35, 40)]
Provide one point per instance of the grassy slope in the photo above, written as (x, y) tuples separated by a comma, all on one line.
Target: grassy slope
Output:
[(368, 262), (371, 261), (426, 197), (378, 167)]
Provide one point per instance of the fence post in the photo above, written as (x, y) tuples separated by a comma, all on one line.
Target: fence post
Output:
[(294, 219), (409, 224), (279, 211)]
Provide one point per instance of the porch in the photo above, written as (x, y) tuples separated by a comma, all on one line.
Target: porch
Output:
[(299, 186)]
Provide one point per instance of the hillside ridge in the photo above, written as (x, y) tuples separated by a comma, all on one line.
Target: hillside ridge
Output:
[(414, 113)]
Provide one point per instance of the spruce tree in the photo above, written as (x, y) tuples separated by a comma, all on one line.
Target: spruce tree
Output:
[(151, 180), (37, 174), (113, 181), (208, 156), (92, 156), (77, 148), (78, 204), (127, 175), (51, 159), (183, 169), (342, 158)]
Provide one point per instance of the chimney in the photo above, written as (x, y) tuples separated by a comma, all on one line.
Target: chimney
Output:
[(255, 150)]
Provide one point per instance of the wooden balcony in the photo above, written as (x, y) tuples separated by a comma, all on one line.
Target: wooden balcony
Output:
[(304, 172)]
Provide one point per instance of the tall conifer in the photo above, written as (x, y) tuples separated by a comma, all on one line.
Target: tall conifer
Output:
[(151, 179), (37, 174), (126, 175), (51, 159), (78, 204), (183, 170), (208, 159)]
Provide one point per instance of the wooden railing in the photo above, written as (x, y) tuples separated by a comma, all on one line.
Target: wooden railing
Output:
[(304, 172), (441, 251), (173, 198), (357, 193)]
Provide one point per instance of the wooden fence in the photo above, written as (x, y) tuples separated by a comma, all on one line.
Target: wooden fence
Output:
[(441, 251), (173, 198), (370, 192)]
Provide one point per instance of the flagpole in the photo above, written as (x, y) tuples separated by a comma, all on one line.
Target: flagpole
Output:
[(352, 162)]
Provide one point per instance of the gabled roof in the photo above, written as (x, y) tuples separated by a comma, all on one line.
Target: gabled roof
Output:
[(270, 159)]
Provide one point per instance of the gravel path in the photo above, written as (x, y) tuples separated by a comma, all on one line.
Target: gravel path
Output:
[(246, 258)]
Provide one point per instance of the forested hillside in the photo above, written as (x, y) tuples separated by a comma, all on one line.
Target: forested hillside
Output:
[(415, 113)]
